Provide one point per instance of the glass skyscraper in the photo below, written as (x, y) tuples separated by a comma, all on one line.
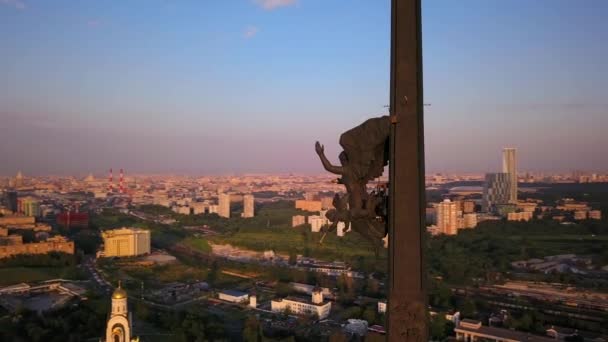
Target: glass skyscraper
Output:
[(496, 191), (509, 166)]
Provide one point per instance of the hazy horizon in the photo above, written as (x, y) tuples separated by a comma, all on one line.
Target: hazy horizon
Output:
[(248, 86)]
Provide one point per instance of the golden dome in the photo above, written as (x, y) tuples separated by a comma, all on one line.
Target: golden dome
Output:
[(119, 293)]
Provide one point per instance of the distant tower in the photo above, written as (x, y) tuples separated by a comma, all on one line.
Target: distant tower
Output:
[(317, 295), (110, 180), (119, 324), (224, 205), (120, 184), (509, 166), (248, 206), (19, 180)]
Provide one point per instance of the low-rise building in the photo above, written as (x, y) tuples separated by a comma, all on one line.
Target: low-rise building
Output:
[(595, 215), (470, 330), (580, 215), (317, 222), (527, 206), (233, 296), (198, 207), (298, 220), (17, 220), (381, 306), (520, 216), (54, 244), (302, 306), (469, 221), (305, 205), (180, 209)]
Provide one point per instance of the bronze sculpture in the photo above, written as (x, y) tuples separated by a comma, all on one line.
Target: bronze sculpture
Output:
[(364, 157)]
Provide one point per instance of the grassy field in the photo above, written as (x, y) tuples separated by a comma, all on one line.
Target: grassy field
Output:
[(15, 275), (199, 244), (544, 245), (563, 237), (299, 241)]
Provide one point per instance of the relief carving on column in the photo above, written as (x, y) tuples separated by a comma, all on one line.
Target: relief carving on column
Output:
[(408, 319)]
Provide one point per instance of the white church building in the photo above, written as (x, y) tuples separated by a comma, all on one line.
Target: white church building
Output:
[(119, 326)]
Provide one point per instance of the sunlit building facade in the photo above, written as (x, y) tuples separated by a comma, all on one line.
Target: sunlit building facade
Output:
[(248, 205), (223, 205), (125, 242), (447, 217)]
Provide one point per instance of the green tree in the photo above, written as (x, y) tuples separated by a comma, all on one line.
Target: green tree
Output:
[(251, 332), (438, 327), (469, 309), (213, 273), (369, 314)]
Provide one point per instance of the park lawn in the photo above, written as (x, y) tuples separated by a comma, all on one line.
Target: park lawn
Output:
[(294, 241), (154, 276), (15, 275), (199, 244)]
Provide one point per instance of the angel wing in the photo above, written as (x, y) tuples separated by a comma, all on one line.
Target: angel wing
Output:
[(366, 147)]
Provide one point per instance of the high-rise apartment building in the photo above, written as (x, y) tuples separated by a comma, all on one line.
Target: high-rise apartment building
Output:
[(11, 199), (447, 217), (496, 190), (19, 180), (28, 206), (224, 205), (468, 207), (248, 206), (509, 166)]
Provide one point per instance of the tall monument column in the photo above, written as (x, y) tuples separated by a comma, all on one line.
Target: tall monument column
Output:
[(407, 313)]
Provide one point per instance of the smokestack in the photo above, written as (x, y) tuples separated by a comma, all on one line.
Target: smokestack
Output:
[(120, 186), (110, 185)]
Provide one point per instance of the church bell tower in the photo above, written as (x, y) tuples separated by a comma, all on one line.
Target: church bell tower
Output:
[(119, 323)]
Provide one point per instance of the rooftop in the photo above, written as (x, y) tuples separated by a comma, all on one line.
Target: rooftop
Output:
[(468, 325), (234, 293), (302, 300)]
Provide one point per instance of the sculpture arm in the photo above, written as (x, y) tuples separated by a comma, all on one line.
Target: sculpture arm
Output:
[(326, 163), (329, 167)]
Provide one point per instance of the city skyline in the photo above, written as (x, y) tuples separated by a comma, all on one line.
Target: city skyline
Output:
[(91, 86)]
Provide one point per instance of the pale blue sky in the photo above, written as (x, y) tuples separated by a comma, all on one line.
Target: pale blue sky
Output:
[(247, 86)]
